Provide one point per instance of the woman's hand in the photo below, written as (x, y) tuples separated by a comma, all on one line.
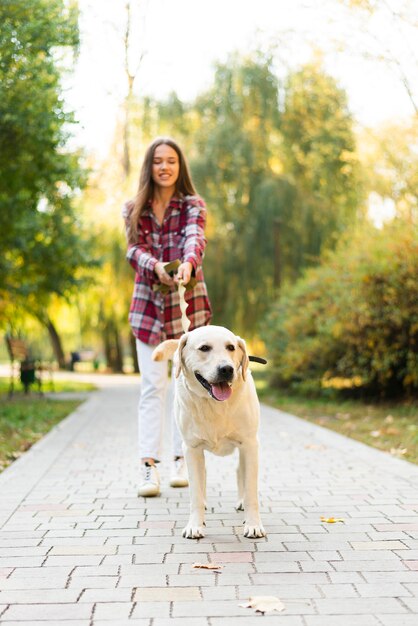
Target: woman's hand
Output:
[(184, 273), (162, 274)]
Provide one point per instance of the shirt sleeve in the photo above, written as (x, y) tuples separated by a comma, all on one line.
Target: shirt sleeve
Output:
[(195, 242), (138, 254)]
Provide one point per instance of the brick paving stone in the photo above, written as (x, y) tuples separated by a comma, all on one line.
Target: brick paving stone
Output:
[(105, 595), (151, 609), (353, 606), (198, 578), (300, 591), (47, 622), (38, 596), (168, 594), (184, 621), (268, 620), (398, 620), (45, 612), (382, 590), (378, 545), (231, 557), (73, 532), (344, 620), (380, 565), (339, 591), (112, 610)]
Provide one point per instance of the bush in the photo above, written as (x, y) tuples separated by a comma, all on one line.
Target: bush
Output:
[(353, 320)]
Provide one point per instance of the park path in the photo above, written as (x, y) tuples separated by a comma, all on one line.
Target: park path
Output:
[(78, 548)]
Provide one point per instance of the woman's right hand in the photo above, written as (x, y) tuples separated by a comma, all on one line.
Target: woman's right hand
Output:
[(162, 274)]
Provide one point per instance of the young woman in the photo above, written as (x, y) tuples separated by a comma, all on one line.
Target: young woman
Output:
[(164, 222)]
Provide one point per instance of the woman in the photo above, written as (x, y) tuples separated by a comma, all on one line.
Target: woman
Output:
[(165, 222)]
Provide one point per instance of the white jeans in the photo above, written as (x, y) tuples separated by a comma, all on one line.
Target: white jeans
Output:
[(152, 405)]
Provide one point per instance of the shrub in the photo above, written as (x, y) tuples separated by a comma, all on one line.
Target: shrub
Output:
[(353, 318)]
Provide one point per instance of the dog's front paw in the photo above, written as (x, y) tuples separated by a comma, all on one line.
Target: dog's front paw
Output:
[(252, 531), (192, 531)]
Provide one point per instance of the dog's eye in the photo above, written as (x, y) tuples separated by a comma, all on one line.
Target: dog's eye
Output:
[(205, 348), (230, 347)]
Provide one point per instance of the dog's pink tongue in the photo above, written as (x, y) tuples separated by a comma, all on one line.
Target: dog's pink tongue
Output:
[(221, 391)]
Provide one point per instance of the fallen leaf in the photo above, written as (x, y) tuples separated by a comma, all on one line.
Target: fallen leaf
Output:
[(398, 451), (392, 431), (388, 419), (331, 520), (264, 604), (207, 565), (343, 416)]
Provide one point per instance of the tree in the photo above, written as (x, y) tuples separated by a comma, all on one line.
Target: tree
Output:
[(39, 230), (319, 154)]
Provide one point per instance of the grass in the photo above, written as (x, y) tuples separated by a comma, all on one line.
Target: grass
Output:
[(390, 426), (24, 419)]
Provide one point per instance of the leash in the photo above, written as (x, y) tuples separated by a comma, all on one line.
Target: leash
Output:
[(185, 322)]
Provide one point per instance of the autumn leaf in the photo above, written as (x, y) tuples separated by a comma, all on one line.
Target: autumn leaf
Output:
[(207, 566), (264, 604), (331, 520), (398, 451)]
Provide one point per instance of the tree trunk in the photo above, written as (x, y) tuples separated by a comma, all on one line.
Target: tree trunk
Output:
[(134, 354), (113, 347), (55, 342)]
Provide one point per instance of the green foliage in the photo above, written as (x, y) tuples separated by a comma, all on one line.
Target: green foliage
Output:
[(39, 230), (355, 317), (319, 154), (277, 168)]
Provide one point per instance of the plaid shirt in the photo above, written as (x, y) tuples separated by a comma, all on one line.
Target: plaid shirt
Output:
[(153, 316)]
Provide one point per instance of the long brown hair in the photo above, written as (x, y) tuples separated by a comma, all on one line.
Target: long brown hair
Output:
[(184, 185)]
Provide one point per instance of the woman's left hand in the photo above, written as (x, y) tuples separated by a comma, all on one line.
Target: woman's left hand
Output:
[(184, 273)]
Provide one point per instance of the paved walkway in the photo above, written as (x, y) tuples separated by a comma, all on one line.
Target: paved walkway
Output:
[(78, 548)]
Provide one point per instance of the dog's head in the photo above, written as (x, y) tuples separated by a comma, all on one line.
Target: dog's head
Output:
[(211, 358)]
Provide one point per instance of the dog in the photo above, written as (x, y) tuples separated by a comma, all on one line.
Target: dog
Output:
[(217, 409)]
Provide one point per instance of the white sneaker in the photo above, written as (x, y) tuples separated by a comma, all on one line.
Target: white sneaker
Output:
[(178, 476), (150, 485)]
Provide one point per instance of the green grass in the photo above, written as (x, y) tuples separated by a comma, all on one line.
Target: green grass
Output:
[(389, 426), (24, 419)]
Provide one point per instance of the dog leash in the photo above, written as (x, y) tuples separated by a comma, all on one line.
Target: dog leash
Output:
[(185, 322)]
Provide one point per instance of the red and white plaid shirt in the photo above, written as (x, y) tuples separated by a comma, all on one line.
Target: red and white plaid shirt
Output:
[(153, 316)]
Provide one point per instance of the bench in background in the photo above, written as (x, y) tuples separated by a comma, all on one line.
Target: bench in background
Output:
[(26, 368)]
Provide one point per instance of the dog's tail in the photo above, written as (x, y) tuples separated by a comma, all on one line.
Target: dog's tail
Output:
[(165, 350)]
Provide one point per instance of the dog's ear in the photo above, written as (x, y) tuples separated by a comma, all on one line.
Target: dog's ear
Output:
[(244, 359), (178, 361), (165, 350)]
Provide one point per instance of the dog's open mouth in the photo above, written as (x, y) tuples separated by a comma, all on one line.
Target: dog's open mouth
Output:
[(218, 391)]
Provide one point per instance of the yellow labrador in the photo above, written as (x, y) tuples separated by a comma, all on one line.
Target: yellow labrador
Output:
[(217, 409)]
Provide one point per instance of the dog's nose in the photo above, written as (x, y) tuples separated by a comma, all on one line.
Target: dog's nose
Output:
[(226, 372)]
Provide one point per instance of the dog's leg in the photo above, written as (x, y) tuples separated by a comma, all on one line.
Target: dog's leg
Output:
[(253, 525), (195, 460), (240, 483)]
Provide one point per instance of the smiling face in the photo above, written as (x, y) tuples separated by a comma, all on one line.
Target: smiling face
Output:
[(211, 358), (165, 166)]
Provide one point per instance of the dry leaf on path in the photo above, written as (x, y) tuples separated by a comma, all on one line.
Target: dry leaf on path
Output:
[(398, 451), (331, 520), (207, 565), (264, 604)]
